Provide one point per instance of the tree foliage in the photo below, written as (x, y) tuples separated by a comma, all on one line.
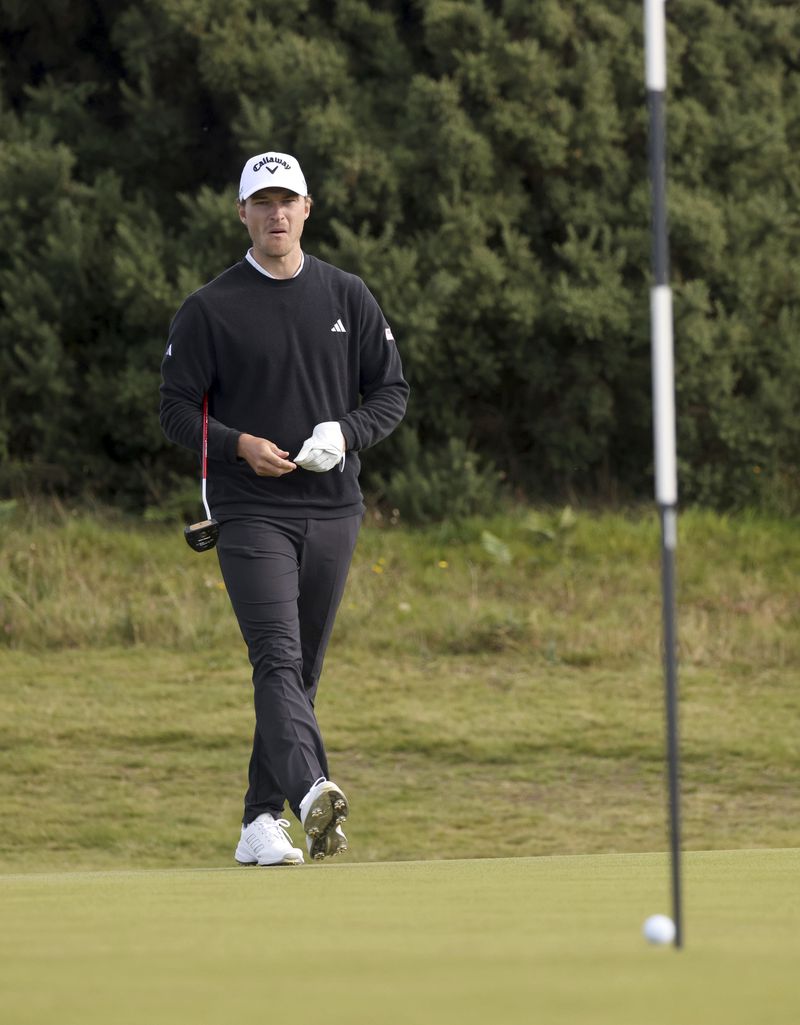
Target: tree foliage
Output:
[(481, 164)]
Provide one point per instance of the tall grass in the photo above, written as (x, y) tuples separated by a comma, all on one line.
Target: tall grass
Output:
[(571, 588)]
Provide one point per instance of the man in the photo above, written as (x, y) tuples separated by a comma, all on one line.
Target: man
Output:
[(296, 357)]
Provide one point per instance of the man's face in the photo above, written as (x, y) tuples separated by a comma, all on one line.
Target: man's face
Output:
[(274, 219)]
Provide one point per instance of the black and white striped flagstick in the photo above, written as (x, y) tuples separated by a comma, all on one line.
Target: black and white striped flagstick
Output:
[(664, 417)]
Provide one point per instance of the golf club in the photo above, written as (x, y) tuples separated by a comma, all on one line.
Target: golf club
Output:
[(203, 535)]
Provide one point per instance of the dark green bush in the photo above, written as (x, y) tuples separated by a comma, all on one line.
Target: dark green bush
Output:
[(436, 483), (481, 164)]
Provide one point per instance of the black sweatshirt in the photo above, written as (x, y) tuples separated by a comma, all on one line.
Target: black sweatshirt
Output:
[(277, 357)]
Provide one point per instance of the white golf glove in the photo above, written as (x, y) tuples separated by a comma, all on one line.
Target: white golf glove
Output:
[(324, 449)]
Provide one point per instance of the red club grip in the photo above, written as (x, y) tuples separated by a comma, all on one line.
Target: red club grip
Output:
[(205, 435)]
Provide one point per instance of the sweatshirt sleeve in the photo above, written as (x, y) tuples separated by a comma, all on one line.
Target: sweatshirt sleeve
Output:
[(383, 389), (188, 371)]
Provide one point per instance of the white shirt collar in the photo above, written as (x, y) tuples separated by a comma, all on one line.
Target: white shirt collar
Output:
[(251, 259)]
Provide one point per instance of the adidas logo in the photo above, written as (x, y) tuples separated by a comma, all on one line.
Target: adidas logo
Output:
[(339, 326)]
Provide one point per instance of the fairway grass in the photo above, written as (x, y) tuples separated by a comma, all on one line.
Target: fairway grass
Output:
[(553, 940), (132, 758), (493, 689)]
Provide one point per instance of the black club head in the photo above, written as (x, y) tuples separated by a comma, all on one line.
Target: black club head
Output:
[(202, 536)]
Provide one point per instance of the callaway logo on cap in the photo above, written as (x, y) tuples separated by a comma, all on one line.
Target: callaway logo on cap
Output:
[(271, 171)]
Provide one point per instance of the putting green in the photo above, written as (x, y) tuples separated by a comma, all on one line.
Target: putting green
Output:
[(530, 940)]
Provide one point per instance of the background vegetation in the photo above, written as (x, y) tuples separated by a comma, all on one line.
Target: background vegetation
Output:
[(482, 164)]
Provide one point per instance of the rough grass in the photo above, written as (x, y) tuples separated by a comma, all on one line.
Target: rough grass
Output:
[(493, 688)]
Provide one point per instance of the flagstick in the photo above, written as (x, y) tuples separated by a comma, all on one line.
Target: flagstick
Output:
[(664, 419)]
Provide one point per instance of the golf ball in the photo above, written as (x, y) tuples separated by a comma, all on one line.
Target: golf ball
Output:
[(659, 929)]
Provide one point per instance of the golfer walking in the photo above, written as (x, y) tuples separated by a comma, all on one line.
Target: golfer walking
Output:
[(302, 373)]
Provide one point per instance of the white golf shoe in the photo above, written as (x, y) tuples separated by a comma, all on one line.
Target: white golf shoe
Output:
[(322, 811), (265, 842), (328, 846)]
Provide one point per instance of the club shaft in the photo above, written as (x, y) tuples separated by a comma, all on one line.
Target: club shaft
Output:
[(205, 500), (205, 457)]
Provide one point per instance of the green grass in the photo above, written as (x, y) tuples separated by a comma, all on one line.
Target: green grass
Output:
[(492, 705), (507, 671), (578, 589), (553, 940)]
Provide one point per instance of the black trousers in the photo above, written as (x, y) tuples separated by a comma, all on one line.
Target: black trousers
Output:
[(285, 579)]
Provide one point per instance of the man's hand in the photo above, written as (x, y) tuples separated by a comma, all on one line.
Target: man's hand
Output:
[(264, 457)]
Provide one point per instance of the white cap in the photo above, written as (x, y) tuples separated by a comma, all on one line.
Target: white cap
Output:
[(271, 171)]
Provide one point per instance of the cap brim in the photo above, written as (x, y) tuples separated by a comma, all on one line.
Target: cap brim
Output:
[(263, 188)]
